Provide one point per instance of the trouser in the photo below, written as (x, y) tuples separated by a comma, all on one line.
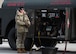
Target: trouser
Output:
[(20, 39)]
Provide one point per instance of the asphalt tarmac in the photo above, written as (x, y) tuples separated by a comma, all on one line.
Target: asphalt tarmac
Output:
[(5, 49)]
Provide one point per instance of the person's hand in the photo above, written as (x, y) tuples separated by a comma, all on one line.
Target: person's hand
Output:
[(27, 26), (24, 12), (44, 23)]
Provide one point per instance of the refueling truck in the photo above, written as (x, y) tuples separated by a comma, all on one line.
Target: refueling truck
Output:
[(51, 21)]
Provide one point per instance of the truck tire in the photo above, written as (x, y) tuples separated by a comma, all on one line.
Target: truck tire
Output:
[(28, 44), (48, 42), (12, 39), (0, 40)]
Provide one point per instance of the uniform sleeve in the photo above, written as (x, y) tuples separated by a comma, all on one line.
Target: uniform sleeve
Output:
[(18, 21), (27, 21)]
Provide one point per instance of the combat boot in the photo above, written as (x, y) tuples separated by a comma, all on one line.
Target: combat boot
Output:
[(19, 50), (23, 50)]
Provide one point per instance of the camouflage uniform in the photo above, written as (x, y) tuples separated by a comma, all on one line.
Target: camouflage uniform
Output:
[(22, 24), (20, 39)]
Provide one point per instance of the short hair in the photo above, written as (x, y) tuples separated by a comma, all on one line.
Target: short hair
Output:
[(21, 8)]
